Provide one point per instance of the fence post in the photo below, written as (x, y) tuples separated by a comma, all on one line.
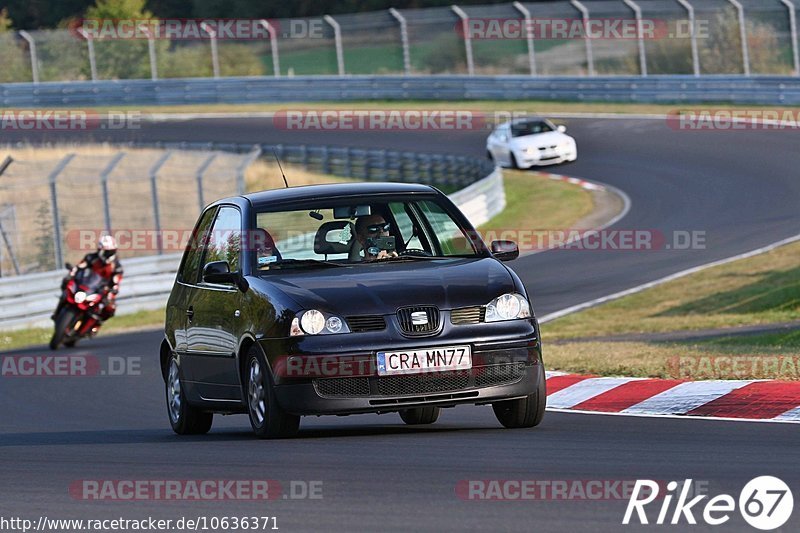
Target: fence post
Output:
[(743, 36), (90, 46), (151, 51), (34, 58), (337, 39), (201, 170), (403, 39), (586, 40), (154, 196), (467, 37), (240, 170), (3, 166), (214, 52), (637, 12), (528, 36), (692, 22), (793, 29), (273, 44), (106, 172), (59, 255)]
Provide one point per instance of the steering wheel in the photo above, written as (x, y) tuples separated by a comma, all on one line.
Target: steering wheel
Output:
[(419, 252)]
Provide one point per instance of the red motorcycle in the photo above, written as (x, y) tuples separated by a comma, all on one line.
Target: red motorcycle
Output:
[(80, 315)]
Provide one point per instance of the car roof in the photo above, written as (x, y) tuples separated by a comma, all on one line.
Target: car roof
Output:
[(328, 191)]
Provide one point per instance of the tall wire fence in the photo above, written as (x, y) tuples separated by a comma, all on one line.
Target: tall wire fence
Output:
[(550, 38), (54, 207)]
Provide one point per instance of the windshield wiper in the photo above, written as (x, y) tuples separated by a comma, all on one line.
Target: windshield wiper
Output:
[(306, 263)]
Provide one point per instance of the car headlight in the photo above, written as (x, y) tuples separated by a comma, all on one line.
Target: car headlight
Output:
[(80, 297), (509, 306), (313, 322)]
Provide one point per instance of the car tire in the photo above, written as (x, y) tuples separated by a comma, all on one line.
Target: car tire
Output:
[(268, 419), (420, 415), (513, 160), (63, 320), (524, 412), (185, 419)]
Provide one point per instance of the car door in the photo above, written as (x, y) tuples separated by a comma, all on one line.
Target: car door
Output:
[(502, 150), (213, 314), (186, 282)]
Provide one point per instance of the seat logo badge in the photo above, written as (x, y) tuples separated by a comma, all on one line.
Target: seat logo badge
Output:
[(419, 318)]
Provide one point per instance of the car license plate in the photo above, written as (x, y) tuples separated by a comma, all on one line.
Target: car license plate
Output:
[(421, 360)]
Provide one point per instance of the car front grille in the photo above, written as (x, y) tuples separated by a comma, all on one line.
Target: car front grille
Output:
[(342, 387), (418, 320), (468, 315), (363, 323), (420, 384)]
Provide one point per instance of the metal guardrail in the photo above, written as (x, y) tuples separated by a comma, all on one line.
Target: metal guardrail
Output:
[(446, 171), (771, 90), (28, 300)]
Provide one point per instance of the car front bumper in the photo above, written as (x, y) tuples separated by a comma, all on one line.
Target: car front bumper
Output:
[(505, 365)]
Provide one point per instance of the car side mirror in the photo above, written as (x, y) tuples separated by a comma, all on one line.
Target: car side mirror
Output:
[(505, 250), (562, 128), (220, 272)]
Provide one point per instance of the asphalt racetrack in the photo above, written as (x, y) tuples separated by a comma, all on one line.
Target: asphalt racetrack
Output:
[(740, 188)]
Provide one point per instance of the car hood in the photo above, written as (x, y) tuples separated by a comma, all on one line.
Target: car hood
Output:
[(382, 288), (541, 139)]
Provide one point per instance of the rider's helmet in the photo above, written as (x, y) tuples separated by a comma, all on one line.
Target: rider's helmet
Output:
[(107, 248)]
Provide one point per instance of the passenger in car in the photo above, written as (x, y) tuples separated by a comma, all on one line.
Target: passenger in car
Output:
[(264, 248)]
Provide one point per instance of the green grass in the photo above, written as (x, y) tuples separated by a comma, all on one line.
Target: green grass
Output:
[(535, 202), (764, 289), (11, 340)]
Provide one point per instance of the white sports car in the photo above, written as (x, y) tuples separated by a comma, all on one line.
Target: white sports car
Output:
[(529, 142)]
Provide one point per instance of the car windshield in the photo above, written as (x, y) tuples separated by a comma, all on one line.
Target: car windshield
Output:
[(532, 127), (344, 234)]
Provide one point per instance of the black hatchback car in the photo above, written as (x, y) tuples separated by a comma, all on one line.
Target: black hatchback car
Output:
[(343, 299)]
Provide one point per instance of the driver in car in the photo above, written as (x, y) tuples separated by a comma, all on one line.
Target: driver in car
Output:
[(370, 227)]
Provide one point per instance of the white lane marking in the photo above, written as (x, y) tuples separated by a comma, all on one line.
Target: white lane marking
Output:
[(554, 373), (583, 390), (682, 273), (674, 417), (792, 415), (684, 397)]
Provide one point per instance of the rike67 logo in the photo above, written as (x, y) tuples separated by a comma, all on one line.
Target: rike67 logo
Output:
[(766, 503)]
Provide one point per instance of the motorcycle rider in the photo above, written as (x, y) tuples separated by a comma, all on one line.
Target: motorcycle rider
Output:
[(103, 262)]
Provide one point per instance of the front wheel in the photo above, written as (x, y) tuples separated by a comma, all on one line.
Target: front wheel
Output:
[(525, 412), (63, 321), (268, 419), (185, 419)]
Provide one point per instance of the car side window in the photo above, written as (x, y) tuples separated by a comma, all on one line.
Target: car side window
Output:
[(190, 267), (452, 240), (225, 239)]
